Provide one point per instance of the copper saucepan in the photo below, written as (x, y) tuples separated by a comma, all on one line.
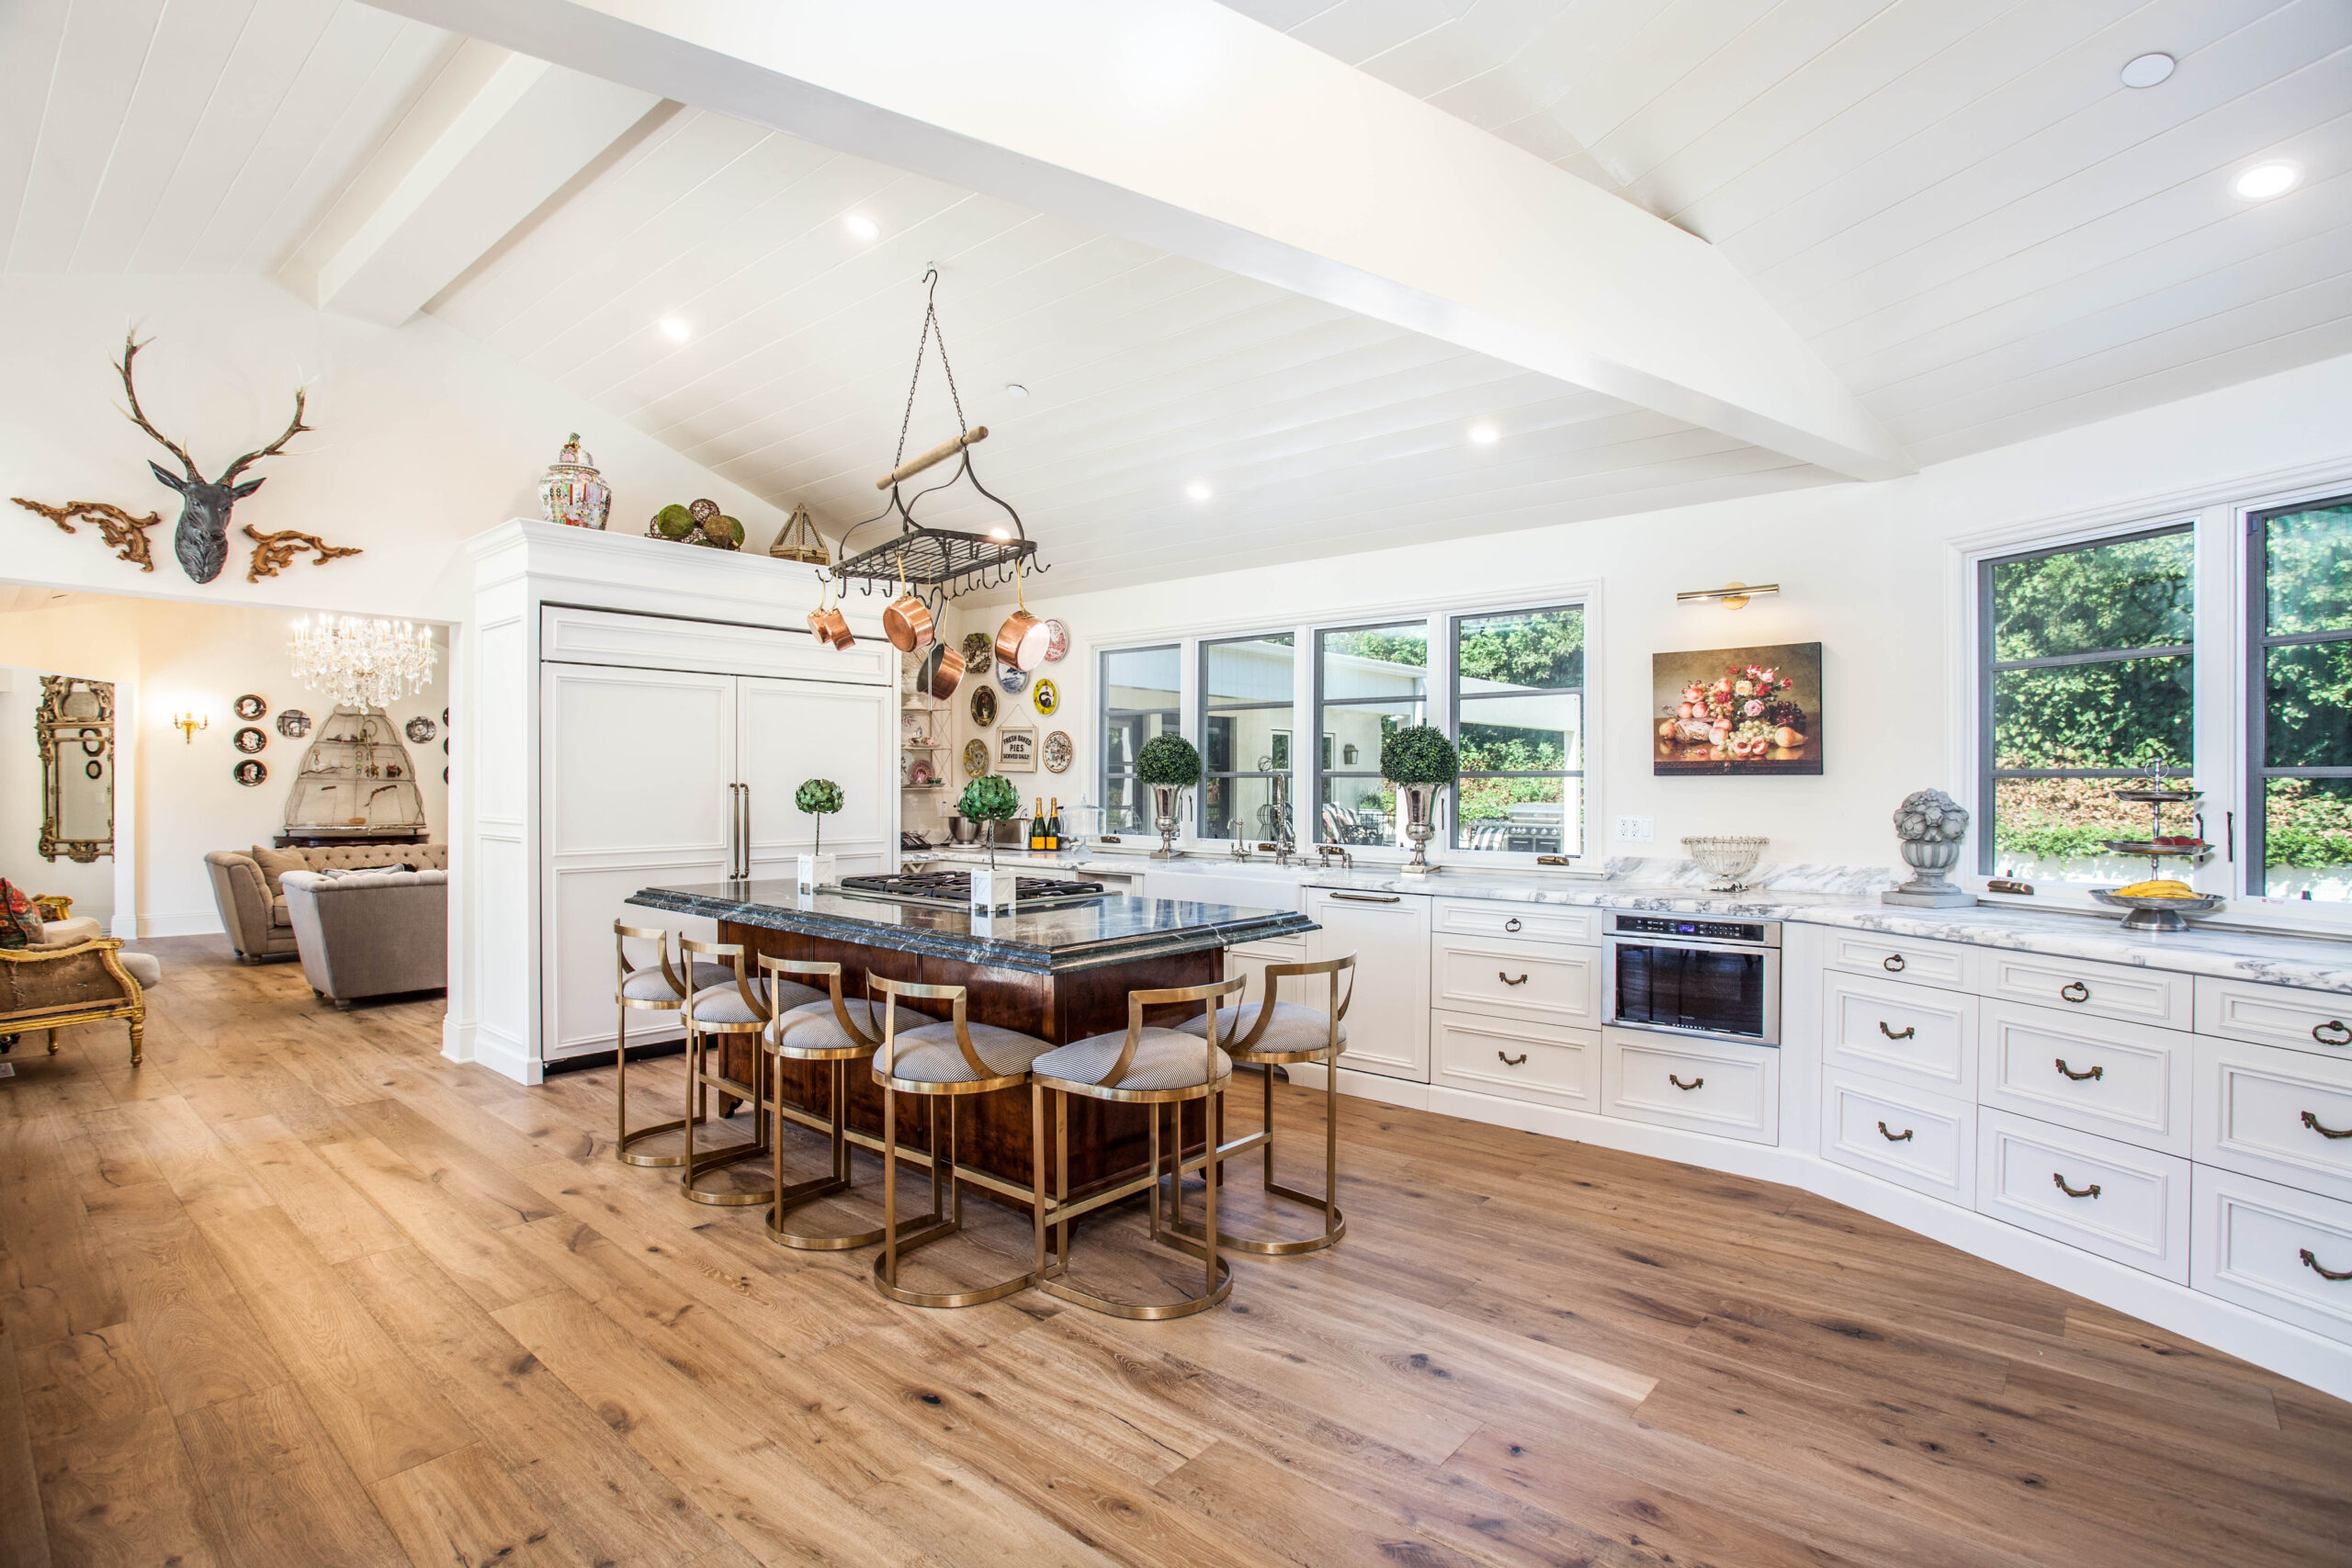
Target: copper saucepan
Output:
[(1022, 641), (943, 671), (906, 623), (827, 622)]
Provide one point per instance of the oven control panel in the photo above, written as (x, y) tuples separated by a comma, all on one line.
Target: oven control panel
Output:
[(1763, 933)]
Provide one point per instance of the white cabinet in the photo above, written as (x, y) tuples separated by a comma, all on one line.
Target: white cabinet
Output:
[(2121, 1081), (1518, 1061), (1914, 1034), (1388, 1022), (2282, 1252), (1943, 963), (2276, 1015), (789, 731), (1705, 1086), (2282, 1115), (1528, 922), (1909, 1135), (1536, 981), (2116, 1200), (2121, 991)]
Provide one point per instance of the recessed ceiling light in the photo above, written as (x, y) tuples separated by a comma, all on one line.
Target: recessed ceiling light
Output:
[(1485, 435), (861, 227), (2265, 180), (2146, 70), (1199, 490), (1015, 389), (676, 328), (999, 533)]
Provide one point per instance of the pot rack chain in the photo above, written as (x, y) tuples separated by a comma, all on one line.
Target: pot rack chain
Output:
[(931, 328)]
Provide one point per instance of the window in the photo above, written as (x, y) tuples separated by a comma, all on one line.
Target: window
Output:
[(1369, 681), (1245, 735), (1141, 698), (1519, 719), (2298, 727), (2087, 676)]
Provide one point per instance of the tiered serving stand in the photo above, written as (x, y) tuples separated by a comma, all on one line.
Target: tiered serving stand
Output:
[(2161, 914)]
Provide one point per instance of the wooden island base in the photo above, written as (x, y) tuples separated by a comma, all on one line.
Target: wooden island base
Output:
[(1108, 1142)]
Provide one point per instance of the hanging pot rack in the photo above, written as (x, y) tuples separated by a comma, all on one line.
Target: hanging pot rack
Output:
[(936, 564)]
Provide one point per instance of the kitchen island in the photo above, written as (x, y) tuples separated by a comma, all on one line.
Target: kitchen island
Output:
[(1060, 973)]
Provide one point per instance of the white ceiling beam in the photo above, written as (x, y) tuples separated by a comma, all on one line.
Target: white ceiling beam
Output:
[(1186, 126), (516, 138)]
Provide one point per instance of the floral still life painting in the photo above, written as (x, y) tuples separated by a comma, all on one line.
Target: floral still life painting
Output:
[(1737, 710)]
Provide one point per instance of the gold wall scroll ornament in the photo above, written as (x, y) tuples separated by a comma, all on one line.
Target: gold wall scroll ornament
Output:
[(124, 535), (273, 550)]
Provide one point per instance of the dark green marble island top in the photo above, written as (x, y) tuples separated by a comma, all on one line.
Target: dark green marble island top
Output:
[(1114, 929)]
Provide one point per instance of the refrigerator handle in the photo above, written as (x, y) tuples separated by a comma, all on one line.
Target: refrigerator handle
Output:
[(743, 830)]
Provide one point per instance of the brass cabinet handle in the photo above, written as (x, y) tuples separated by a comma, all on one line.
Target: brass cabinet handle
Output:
[(2090, 1191), (1902, 1137), (1511, 924), (2324, 1273), (1677, 1083), (1507, 980), (2097, 1072), (1891, 964), (2311, 1120), (1368, 897), (1518, 1061), (2343, 1035), (1891, 1034), (2074, 991)]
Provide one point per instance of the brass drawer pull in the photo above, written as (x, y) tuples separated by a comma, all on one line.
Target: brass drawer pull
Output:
[(2311, 1120), (2343, 1037), (1902, 1137), (2074, 991), (1518, 1061), (1368, 897), (1511, 924), (2090, 1191), (1677, 1083), (2324, 1273), (2097, 1072), (1507, 980), (1891, 1034), (1891, 964)]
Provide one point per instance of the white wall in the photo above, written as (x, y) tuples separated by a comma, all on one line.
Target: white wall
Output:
[(1864, 569)]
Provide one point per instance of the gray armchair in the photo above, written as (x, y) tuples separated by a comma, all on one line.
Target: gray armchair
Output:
[(370, 933), (254, 910)]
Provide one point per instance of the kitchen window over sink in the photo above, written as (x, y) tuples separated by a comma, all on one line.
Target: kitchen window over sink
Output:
[(1142, 696), (2299, 701), (1246, 733), (1369, 682)]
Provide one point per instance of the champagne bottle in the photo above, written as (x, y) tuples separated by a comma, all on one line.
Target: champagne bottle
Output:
[(1037, 826), (1054, 828)]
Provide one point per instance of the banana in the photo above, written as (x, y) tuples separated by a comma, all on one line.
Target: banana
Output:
[(2161, 887)]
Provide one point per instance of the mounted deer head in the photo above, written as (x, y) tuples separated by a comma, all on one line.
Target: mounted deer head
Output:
[(201, 540)]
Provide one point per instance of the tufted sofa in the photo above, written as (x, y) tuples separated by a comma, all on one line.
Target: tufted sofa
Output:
[(253, 906), (370, 933)]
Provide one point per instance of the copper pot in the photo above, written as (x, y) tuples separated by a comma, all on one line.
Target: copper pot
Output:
[(1022, 641), (833, 627), (908, 623), (943, 671)]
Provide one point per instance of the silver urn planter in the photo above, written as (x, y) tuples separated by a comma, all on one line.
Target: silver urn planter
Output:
[(1415, 823), (1164, 799), (1929, 827)]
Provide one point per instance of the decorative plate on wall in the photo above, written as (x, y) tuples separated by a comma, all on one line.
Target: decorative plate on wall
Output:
[(1013, 680), (983, 706), (975, 653), (1059, 752), (976, 758), (1046, 698), (250, 772), (420, 729), (249, 740), (250, 706), (1056, 640), (293, 724)]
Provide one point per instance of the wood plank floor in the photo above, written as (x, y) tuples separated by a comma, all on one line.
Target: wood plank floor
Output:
[(300, 1292)]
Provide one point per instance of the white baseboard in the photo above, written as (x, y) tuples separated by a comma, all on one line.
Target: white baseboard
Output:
[(198, 922), (457, 1039), (2282, 1348), (502, 1054)]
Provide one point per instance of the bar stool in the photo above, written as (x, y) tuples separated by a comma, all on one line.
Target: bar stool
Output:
[(648, 988), (836, 1034), (1275, 1032), (942, 1061), (1148, 1066), (729, 1007)]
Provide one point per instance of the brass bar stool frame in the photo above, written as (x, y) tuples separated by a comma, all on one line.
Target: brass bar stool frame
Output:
[(1335, 1224), (702, 1078), (1053, 1266), (935, 1225), (861, 1048), (624, 1140)]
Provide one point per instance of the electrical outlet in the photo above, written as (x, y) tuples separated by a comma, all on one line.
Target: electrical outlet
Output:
[(1636, 829)]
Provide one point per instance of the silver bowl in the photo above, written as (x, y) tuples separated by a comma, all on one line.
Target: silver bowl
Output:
[(1726, 858), (2158, 914)]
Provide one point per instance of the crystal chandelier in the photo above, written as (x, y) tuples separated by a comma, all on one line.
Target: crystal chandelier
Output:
[(363, 664)]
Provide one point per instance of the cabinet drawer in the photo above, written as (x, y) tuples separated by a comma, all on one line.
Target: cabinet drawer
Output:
[(1926, 1142), (2264, 1247), (2121, 1202), (1473, 917), (1729, 1090), (2281, 1115), (1912, 1033), (2101, 990), (1488, 1056), (1943, 963), (2119, 1079), (1524, 980), (2276, 1015)]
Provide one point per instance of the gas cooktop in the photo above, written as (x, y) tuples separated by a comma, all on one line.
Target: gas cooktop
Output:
[(953, 889)]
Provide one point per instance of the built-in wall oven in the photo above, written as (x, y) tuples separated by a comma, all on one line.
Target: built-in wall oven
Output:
[(1687, 975)]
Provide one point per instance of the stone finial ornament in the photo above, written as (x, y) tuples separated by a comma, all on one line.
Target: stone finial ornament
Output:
[(1930, 825)]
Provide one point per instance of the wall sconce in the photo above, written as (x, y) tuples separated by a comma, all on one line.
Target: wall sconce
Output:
[(1730, 596), (188, 724)]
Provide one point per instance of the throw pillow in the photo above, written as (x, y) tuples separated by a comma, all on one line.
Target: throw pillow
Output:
[(19, 922), (275, 864)]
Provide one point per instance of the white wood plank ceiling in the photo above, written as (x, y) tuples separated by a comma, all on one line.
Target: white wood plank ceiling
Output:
[(1959, 204)]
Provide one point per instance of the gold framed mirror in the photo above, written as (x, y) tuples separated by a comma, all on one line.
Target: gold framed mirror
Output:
[(75, 728)]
